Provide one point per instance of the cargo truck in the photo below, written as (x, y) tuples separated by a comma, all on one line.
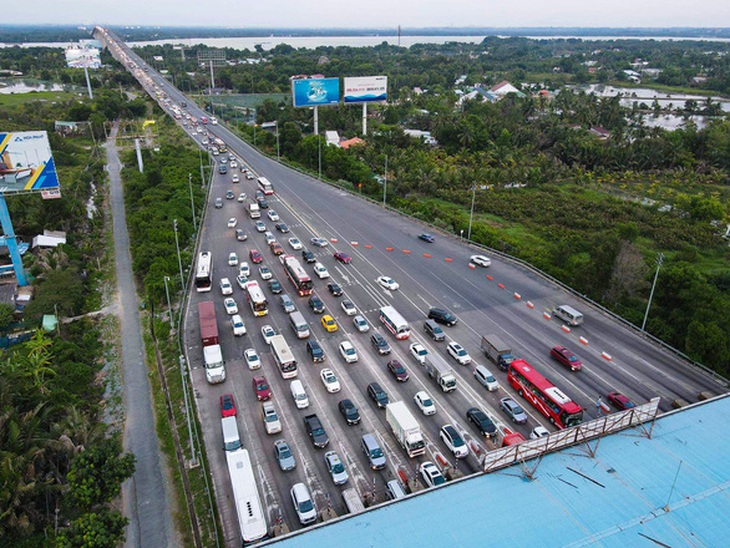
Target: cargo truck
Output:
[(254, 211), (352, 500), (215, 371), (439, 370), (497, 351), (405, 428)]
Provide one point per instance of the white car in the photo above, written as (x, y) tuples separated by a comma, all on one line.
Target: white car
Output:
[(265, 273), (239, 328), (425, 403), (336, 468), (268, 333), (241, 197), (319, 242), (361, 324), (226, 287), (388, 283), (273, 215), (539, 432), (480, 260), (233, 259), (348, 352), (244, 269), (249, 177), (260, 226), (321, 271), (295, 244), (235, 178), (232, 222), (303, 504), (270, 238), (252, 358), (233, 165), (348, 307), (419, 352), (329, 379), (231, 306), (453, 440), (271, 418), (457, 352), (431, 475), (242, 281)]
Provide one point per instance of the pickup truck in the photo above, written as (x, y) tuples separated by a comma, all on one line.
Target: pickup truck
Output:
[(316, 431)]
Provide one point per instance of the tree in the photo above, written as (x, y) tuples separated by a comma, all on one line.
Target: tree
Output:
[(97, 474), (628, 278), (100, 529), (6, 315)]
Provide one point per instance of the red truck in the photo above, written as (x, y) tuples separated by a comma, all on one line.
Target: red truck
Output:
[(208, 324)]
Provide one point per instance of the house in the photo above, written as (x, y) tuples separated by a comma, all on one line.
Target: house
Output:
[(423, 135), (600, 132), (504, 88), (355, 141), (332, 138), (49, 238)]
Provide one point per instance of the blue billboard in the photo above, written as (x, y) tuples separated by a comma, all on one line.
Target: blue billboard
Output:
[(316, 92), (26, 162)]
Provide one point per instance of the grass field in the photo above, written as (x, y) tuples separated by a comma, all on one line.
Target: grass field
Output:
[(16, 99)]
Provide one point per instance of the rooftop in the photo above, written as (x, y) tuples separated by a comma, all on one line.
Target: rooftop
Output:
[(670, 489)]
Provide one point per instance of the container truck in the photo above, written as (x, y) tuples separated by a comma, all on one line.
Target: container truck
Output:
[(254, 211), (439, 370), (215, 371), (405, 428), (497, 351)]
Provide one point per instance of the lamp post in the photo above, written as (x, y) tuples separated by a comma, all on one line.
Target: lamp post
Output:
[(659, 261), (192, 201), (319, 156), (167, 293), (179, 260), (385, 181), (278, 157), (471, 212), (183, 379)]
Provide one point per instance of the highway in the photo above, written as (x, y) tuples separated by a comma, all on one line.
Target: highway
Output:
[(505, 299)]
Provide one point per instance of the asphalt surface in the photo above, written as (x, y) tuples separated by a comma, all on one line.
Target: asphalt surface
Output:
[(145, 496), (512, 304)]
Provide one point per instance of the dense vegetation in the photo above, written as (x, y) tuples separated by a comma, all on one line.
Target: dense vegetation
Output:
[(593, 212), (61, 461)]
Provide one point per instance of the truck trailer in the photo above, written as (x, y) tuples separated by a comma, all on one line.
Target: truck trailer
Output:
[(405, 428)]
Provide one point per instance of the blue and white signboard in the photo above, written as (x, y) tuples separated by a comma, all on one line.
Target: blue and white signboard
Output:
[(316, 92), (366, 89), (26, 162)]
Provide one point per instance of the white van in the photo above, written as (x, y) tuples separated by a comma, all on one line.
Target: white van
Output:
[(395, 490), (569, 315), (299, 325), (231, 438), (299, 394), (485, 378)]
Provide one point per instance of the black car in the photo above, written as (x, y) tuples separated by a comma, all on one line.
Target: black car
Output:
[(316, 431), (222, 169), (483, 423), (315, 351), (379, 343), (349, 411), (281, 227), (426, 238), (335, 289), (443, 316), (275, 286), (263, 204), (308, 256), (316, 304), (378, 395), (230, 195)]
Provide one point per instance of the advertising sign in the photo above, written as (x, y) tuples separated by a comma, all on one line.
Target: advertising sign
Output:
[(83, 57), (366, 89), (316, 92), (26, 162)]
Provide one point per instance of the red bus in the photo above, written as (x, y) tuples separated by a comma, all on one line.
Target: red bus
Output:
[(298, 276), (544, 395)]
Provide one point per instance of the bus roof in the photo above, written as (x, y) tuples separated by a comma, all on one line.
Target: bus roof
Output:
[(547, 387)]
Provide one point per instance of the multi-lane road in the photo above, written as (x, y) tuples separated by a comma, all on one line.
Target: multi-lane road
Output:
[(505, 299)]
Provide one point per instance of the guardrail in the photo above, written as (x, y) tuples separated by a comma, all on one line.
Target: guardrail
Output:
[(531, 449)]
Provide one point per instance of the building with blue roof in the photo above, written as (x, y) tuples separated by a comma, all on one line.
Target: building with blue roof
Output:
[(664, 483)]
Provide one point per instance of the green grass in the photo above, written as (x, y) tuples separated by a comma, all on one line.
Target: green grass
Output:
[(16, 99)]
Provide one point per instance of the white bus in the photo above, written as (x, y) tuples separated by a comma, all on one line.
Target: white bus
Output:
[(251, 519), (284, 357), (265, 186), (204, 272), (256, 300), (395, 323)]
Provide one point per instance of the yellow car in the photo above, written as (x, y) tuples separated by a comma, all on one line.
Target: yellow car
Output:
[(328, 322)]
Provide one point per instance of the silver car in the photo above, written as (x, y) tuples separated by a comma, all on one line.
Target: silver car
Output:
[(336, 468), (284, 456)]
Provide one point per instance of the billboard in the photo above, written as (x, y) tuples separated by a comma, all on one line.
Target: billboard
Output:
[(82, 57), (316, 92), (26, 162), (366, 89)]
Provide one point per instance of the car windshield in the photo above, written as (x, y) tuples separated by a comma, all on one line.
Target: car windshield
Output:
[(458, 442), (284, 452), (271, 416), (376, 453), (399, 368), (338, 468), (262, 386), (517, 409), (349, 351), (306, 506), (572, 358), (438, 480)]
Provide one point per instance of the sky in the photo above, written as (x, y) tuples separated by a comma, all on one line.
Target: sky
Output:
[(374, 13)]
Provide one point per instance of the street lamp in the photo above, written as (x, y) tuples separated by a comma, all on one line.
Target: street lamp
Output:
[(471, 211), (319, 156), (192, 201), (385, 181), (278, 157), (659, 261), (179, 260)]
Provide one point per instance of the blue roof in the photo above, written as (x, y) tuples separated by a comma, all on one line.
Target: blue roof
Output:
[(672, 489)]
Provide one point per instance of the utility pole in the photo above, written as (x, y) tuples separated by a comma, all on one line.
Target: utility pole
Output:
[(385, 181), (471, 212), (319, 155), (278, 157), (659, 261), (179, 260), (192, 201)]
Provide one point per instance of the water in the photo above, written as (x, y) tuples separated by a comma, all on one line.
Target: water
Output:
[(23, 87)]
